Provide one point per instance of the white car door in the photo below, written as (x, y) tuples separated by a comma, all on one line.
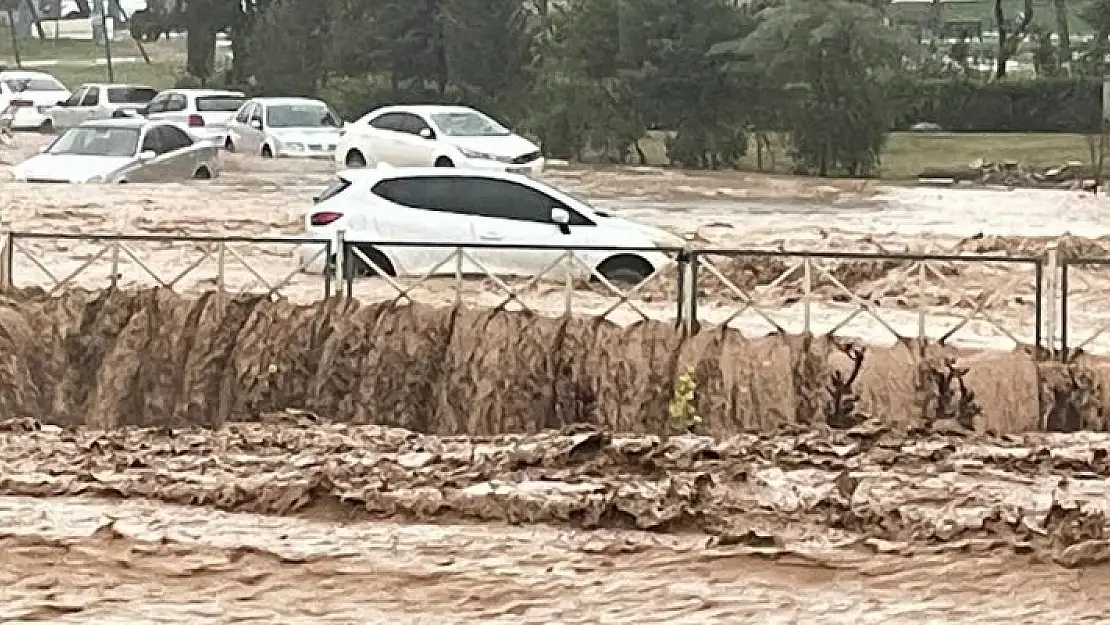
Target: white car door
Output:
[(507, 212), (416, 141), (255, 128), (66, 116), (383, 139), (427, 215), (246, 138)]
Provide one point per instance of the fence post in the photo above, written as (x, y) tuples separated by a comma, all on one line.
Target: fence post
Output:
[(341, 260), (7, 258), (113, 279), (688, 308), (1051, 295)]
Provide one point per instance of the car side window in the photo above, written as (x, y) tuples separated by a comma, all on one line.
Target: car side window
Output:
[(244, 113), (91, 97), (427, 193), (152, 141), (389, 121), (413, 124), (173, 138), (176, 102), (502, 199), (158, 104), (77, 96), (256, 113)]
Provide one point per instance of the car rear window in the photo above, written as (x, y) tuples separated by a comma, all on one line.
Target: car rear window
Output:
[(335, 188), (220, 103), (18, 85), (131, 95)]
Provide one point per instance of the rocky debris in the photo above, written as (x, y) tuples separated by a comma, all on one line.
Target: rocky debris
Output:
[(1010, 173), (881, 486)]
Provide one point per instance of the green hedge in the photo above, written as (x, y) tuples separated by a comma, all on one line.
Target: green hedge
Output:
[(1042, 105)]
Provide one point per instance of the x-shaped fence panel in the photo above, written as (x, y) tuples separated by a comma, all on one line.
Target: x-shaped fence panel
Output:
[(876, 297), (1083, 308), (623, 285), (226, 264)]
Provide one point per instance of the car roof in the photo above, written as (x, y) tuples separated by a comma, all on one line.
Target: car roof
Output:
[(426, 109), (23, 73), (373, 175), (275, 100), (197, 93), (120, 122), (115, 85)]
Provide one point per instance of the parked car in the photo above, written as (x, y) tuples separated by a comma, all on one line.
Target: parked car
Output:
[(204, 112), (439, 136), (464, 206), (99, 101), (122, 150), (27, 97), (284, 127)]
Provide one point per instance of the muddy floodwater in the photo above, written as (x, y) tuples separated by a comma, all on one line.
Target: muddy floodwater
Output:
[(295, 520)]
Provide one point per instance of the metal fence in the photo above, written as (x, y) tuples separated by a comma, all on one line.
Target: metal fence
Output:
[(1044, 303)]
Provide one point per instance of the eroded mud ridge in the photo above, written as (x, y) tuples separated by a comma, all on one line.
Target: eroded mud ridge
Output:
[(155, 358), (866, 488)]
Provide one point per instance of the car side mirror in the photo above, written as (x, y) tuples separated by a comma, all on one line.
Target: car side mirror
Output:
[(427, 133), (256, 124), (61, 103), (561, 218), (147, 155)]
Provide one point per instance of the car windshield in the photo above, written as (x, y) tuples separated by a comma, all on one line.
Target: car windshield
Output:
[(38, 83), (97, 141), (468, 124), (131, 95), (301, 116)]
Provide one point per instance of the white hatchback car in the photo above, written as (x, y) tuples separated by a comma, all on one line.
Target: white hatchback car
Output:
[(456, 207), (27, 98), (204, 113), (436, 136), (284, 127)]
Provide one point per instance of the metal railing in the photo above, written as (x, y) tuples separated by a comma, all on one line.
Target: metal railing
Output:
[(1054, 297)]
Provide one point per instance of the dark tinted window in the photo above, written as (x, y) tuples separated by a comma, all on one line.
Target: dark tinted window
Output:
[(174, 138), (131, 95), (91, 97), (220, 103), (413, 124), (474, 196), (427, 193), (390, 121)]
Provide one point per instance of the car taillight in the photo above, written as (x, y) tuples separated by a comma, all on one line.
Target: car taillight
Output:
[(195, 121), (325, 218), (19, 103)]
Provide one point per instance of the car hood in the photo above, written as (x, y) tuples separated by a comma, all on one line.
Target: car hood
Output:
[(305, 135), (69, 167), (509, 146)]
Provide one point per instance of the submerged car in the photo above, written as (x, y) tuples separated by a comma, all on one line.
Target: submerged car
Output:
[(121, 150), (284, 127), (436, 136), (27, 97), (99, 101), (460, 207), (204, 113)]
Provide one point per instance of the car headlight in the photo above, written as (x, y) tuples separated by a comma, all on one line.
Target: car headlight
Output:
[(484, 156)]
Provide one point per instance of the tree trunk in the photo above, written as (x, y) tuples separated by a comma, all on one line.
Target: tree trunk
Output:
[(1064, 34), (1008, 42)]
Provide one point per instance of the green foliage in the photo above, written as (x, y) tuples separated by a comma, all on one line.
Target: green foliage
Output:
[(682, 413), (1043, 105), (287, 47)]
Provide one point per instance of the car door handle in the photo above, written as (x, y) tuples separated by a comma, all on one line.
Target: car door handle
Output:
[(490, 236)]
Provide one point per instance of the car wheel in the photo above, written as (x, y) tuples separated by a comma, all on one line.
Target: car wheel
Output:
[(229, 146), (443, 161), (267, 152), (47, 127), (355, 159), (625, 270), (359, 267), (202, 174)]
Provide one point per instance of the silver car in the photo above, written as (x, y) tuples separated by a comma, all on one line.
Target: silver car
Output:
[(284, 127), (99, 101), (122, 150)]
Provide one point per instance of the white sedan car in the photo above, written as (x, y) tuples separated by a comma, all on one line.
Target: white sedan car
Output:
[(375, 207), (27, 97), (284, 127), (436, 136)]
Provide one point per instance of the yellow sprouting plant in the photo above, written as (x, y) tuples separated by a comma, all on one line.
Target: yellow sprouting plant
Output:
[(683, 409)]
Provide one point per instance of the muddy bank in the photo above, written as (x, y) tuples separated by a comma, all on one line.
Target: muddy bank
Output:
[(156, 358), (867, 489)]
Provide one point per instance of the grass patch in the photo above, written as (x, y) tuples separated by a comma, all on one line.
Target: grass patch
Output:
[(159, 74), (907, 154)]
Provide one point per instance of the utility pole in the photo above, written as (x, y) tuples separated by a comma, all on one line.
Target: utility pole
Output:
[(107, 38), (15, 39)]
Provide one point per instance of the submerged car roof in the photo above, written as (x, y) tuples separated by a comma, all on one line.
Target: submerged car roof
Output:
[(374, 174), (119, 122)]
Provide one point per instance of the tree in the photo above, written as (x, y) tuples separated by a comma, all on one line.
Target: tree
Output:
[(1063, 32), (831, 57), (1008, 40)]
